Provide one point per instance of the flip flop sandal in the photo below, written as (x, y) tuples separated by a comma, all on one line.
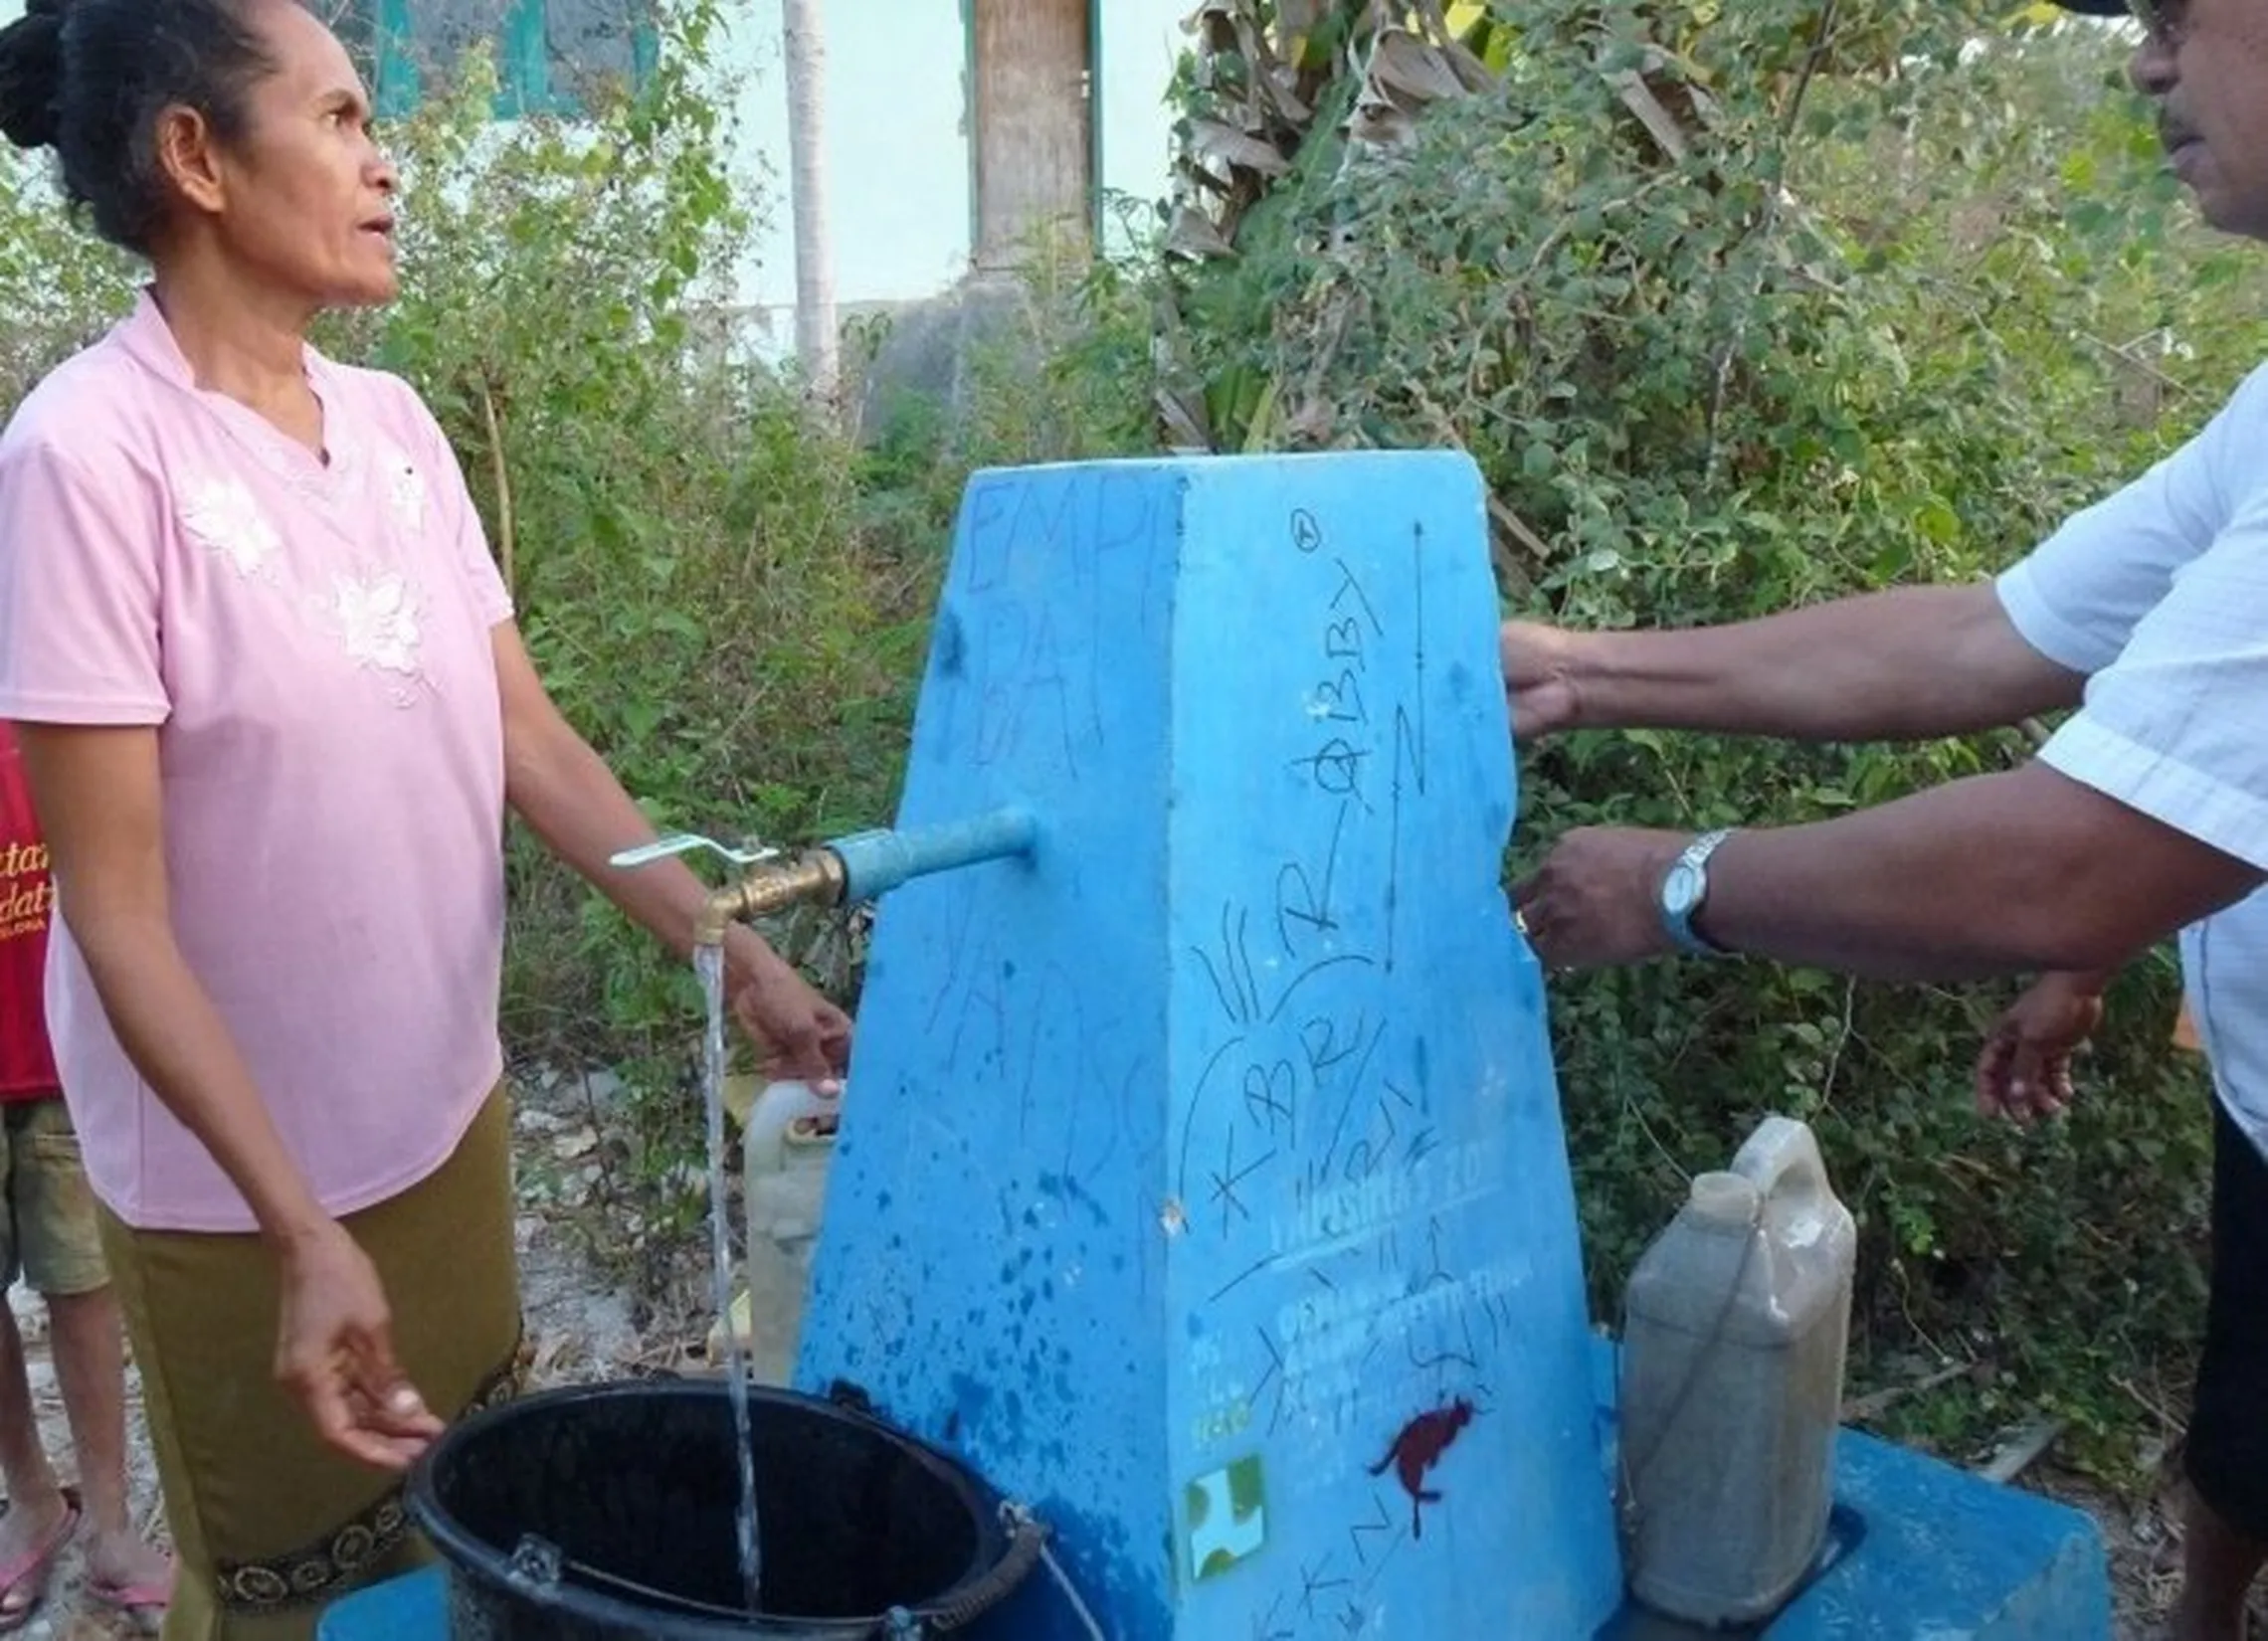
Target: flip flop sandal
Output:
[(32, 1571), (143, 1605)]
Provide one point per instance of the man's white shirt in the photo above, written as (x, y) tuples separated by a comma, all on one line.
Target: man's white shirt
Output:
[(2160, 593)]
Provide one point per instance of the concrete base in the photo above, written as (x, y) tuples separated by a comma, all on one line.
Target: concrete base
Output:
[(1939, 1555), (1934, 1554), (1946, 1554), (1918, 1551)]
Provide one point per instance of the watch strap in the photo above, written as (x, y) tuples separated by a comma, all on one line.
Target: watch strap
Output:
[(1678, 921)]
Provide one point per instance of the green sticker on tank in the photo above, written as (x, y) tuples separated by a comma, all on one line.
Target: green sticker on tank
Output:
[(1228, 1518)]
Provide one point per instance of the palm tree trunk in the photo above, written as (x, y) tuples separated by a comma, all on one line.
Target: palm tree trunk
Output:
[(816, 332)]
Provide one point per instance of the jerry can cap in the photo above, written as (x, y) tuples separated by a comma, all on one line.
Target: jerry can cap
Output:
[(1726, 1198)]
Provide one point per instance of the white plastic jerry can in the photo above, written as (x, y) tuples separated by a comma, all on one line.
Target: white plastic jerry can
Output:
[(786, 1147), (1737, 1322)]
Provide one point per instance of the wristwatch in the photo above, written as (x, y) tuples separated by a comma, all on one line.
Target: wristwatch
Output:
[(1684, 887)]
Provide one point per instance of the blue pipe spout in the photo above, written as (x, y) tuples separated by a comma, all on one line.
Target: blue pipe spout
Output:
[(880, 860)]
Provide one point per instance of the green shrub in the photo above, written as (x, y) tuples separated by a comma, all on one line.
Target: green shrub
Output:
[(1896, 307)]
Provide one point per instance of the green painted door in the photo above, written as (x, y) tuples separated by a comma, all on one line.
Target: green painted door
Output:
[(542, 47)]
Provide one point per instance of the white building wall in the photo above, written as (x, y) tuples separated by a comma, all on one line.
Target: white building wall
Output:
[(897, 139)]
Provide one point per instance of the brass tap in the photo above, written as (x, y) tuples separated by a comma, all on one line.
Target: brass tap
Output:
[(814, 877)]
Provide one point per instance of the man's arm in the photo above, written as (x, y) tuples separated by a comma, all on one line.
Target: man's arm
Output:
[(1917, 663), (1995, 875), (2001, 874), (1912, 663)]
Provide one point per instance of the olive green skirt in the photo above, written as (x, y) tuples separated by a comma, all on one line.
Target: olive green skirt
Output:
[(269, 1524)]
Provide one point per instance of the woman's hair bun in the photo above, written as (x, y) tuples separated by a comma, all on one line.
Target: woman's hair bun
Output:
[(31, 74)]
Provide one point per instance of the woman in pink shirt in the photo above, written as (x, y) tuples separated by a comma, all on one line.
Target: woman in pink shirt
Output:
[(274, 707)]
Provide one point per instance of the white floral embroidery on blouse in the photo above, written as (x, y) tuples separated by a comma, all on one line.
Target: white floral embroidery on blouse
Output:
[(220, 513), (378, 618)]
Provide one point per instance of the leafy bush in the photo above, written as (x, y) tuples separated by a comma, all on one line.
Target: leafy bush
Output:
[(58, 289), (1741, 308)]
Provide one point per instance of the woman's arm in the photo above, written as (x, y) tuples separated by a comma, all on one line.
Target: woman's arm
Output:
[(96, 792), (100, 806), (566, 793)]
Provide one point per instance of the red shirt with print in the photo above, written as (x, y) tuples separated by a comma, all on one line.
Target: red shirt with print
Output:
[(27, 901)]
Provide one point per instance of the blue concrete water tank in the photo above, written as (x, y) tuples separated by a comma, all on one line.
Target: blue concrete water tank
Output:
[(1201, 1178)]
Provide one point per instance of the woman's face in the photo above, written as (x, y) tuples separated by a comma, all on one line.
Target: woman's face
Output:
[(301, 201)]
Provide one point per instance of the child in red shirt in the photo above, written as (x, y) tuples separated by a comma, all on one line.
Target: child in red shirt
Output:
[(48, 1236)]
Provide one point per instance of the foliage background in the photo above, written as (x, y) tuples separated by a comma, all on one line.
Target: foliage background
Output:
[(1907, 287)]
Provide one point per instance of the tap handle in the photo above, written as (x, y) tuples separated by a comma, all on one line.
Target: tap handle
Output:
[(685, 843)]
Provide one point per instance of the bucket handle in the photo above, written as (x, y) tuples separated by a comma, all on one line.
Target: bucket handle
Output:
[(1027, 1543), (537, 1561), (848, 1397), (542, 1567)]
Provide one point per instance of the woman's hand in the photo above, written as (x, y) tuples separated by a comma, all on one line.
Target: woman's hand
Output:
[(334, 1350), (798, 1034), (563, 790)]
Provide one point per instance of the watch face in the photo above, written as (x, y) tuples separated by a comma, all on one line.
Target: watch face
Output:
[(1678, 890)]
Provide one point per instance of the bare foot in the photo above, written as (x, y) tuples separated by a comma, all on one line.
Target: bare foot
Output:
[(123, 1560)]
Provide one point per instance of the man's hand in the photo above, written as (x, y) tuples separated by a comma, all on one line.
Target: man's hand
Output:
[(1539, 685), (1597, 898), (2024, 1069), (798, 1033), (334, 1351)]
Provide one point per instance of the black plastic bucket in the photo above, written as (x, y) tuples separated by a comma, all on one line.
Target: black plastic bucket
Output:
[(608, 1513)]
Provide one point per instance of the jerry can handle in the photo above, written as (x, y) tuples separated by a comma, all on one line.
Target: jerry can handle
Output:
[(1782, 1158), (773, 1119)]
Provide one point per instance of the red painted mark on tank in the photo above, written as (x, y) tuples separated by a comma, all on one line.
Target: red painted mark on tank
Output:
[(1417, 1449)]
